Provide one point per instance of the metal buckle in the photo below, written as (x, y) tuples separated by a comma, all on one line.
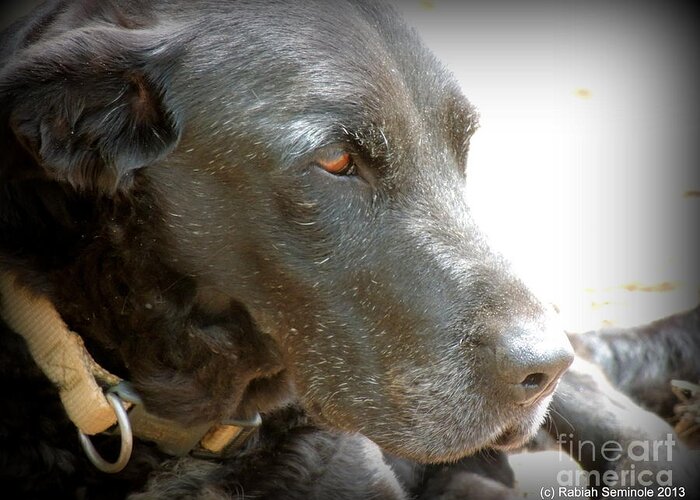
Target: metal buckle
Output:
[(127, 439), (246, 429), (171, 437)]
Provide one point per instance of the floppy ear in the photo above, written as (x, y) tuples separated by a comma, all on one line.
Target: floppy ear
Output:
[(90, 106)]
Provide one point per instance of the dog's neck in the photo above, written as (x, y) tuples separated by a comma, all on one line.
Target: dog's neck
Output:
[(193, 358), (96, 400)]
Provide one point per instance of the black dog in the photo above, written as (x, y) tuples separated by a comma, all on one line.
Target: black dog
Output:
[(258, 207)]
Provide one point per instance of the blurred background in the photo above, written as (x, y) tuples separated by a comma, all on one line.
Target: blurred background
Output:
[(583, 172)]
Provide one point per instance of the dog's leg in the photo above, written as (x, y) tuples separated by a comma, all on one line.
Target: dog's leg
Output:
[(641, 361), (485, 475), (620, 444), (302, 463)]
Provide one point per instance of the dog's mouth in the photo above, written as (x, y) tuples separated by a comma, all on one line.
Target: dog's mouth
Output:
[(520, 432), (511, 438)]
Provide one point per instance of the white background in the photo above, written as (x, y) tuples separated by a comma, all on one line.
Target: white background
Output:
[(582, 168)]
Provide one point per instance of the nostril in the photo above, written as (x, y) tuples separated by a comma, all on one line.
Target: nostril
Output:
[(530, 362), (534, 381), (533, 387), (537, 382)]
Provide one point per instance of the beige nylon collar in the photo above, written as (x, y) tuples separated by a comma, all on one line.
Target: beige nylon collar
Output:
[(62, 357), (81, 382)]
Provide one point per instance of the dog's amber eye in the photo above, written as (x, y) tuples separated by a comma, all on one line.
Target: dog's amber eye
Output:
[(338, 164)]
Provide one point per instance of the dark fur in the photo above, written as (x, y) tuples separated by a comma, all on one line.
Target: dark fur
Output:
[(161, 185), (617, 370), (642, 361)]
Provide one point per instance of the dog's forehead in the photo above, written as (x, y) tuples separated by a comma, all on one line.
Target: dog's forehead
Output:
[(318, 70)]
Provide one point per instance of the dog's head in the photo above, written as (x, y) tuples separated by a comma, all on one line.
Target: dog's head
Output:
[(286, 181)]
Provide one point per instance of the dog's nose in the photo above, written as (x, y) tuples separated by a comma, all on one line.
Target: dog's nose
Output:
[(531, 363)]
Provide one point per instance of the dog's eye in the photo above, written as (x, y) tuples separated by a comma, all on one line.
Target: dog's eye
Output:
[(339, 163)]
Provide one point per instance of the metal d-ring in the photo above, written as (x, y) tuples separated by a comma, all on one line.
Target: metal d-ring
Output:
[(127, 439)]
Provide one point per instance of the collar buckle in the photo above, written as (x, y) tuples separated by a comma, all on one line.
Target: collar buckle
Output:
[(205, 440)]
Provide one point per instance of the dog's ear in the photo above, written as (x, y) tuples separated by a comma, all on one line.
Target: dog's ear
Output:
[(89, 107)]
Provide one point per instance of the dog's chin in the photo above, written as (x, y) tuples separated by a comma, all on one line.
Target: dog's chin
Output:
[(512, 438), (519, 433), (430, 444)]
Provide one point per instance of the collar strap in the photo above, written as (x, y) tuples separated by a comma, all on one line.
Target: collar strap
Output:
[(82, 384)]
